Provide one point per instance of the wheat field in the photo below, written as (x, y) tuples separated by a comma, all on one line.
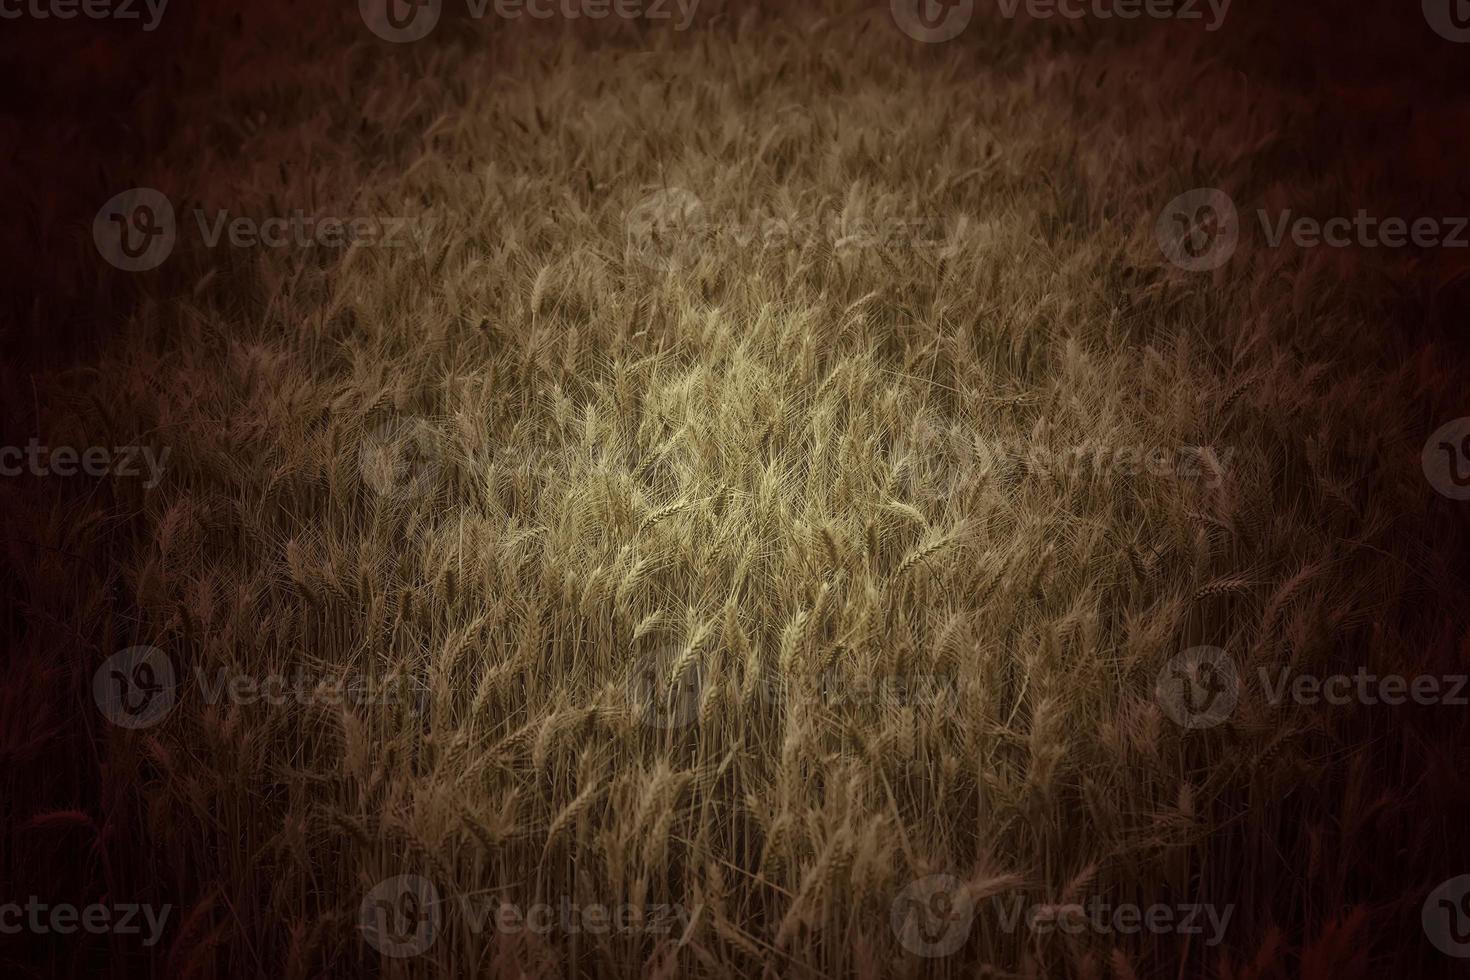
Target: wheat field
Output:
[(746, 478)]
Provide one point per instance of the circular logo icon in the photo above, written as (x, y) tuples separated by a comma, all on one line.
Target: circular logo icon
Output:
[(400, 916), (1446, 917), (666, 228), (1199, 687), (414, 692), (932, 21), (135, 688), (1199, 229), (135, 230), (1446, 459), (1449, 18), (660, 699), (400, 21), (937, 451), (400, 459), (932, 916)]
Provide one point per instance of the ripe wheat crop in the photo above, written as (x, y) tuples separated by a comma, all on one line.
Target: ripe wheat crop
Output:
[(740, 579)]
